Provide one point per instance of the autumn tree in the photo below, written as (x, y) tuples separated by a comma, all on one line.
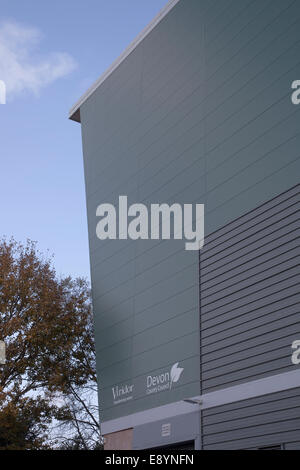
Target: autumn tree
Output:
[(49, 378)]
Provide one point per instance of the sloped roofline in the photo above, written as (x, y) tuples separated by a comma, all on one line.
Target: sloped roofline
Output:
[(74, 112)]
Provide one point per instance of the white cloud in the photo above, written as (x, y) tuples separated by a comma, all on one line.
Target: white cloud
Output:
[(22, 67)]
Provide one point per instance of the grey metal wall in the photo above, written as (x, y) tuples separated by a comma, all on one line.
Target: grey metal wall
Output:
[(272, 420), (145, 293), (184, 428), (250, 300), (199, 112)]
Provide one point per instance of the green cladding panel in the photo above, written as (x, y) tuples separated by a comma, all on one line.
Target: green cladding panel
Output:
[(199, 112)]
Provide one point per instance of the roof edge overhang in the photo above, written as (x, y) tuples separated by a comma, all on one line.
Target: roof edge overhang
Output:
[(74, 113)]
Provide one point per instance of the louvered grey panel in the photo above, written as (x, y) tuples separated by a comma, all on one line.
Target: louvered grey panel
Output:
[(250, 303), (265, 421)]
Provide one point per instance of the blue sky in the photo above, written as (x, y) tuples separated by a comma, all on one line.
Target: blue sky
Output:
[(50, 53)]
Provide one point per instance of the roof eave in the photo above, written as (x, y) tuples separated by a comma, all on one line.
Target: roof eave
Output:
[(74, 113)]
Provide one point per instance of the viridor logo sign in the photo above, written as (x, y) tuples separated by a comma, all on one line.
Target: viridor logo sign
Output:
[(165, 380), (2, 92), (164, 222), (154, 384), (122, 393)]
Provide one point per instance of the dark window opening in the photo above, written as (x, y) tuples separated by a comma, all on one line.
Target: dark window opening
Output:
[(178, 446), (278, 447)]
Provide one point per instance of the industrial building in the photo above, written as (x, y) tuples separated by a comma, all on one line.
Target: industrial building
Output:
[(198, 349)]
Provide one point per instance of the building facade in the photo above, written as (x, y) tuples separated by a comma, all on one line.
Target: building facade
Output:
[(195, 349)]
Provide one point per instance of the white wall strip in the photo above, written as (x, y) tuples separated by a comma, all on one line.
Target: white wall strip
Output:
[(256, 388)]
